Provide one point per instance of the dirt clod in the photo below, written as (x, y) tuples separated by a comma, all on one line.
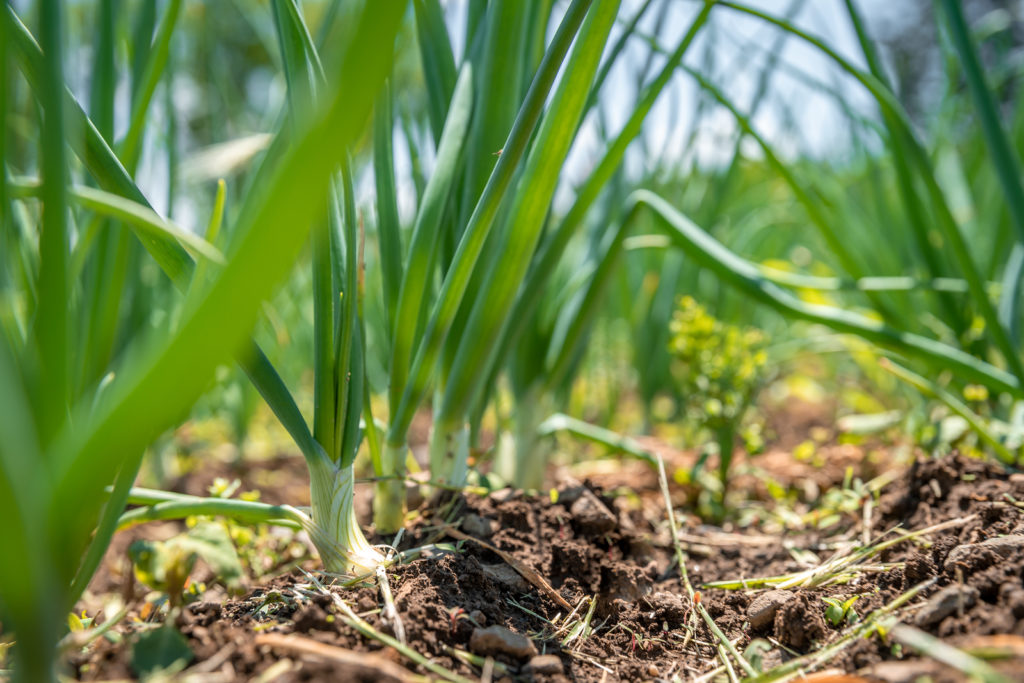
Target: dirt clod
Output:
[(481, 527), (947, 601), (506, 576), (592, 515), (498, 640), (763, 607), (1004, 546), (545, 665), (800, 622)]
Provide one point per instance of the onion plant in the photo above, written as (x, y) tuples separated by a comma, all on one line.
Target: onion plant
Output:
[(480, 233), (64, 442), (506, 309)]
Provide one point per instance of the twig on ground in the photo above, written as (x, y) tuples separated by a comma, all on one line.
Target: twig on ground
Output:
[(526, 572), (361, 663), (390, 615)]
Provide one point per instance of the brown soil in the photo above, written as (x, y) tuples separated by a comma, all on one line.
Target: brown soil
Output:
[(589, 545)]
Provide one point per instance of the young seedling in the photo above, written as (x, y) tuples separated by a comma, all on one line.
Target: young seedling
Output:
[(719, 368), (841, 612)]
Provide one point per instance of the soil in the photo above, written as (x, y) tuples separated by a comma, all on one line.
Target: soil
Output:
[(589, 545)]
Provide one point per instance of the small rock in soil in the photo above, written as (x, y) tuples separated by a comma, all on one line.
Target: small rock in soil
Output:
[(498, 640), (571, 491), (506, 576), (592, 515), (763, 607), (478, 617), (947, 601), (918, 568), (545, 665), (1004, 546), (481, 527), (504, 495)]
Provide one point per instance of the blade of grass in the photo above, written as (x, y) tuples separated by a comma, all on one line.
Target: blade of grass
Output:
[(114, 206), (86, 456), (303, 82), (24, 585), (104, 76), (553, 248), (412, 296), (1001, 153), (111, 175), (348, 351), (425, 236), (930, 646), (496, 58), (130, 148), (908, 190), (89, 145)]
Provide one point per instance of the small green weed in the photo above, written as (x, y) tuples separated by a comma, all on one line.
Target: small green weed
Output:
[(841, 612), (719, 368)]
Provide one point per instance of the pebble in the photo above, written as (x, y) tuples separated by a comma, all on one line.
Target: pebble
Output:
[(478, 617), (498, 640), (592, 515), (946, 602), (504, 495), (571, 491), (668, 605), (546, 665), (481, 527), (763, 607), (1001, 545), (507, 576)]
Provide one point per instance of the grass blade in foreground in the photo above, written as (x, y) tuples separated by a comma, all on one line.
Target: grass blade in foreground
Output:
[(162, 376)]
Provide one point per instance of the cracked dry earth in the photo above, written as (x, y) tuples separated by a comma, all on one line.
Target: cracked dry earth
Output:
[(589, 545)]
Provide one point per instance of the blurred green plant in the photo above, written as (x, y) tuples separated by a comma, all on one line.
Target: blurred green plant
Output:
[(719, 368), (64, 441)]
